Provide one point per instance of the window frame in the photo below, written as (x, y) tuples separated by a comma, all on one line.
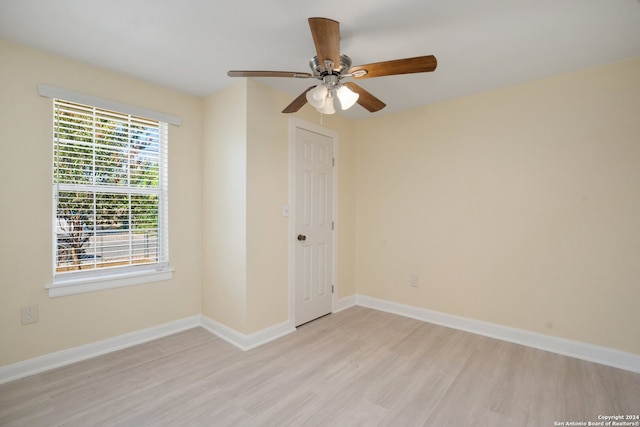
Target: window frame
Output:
[(81, 281)]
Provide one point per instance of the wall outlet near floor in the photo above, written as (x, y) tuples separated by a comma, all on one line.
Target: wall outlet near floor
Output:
[(414, 281), (29, 314)]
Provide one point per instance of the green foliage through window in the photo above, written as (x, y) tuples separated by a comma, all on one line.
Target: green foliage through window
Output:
[(108, 186)]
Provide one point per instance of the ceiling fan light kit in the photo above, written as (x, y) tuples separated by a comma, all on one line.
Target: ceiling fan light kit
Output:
[(330, 67), (317, 96), (322, 97), (347, 97), (328, 107)]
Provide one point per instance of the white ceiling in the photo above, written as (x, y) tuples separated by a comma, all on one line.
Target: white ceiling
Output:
[(190, 44)]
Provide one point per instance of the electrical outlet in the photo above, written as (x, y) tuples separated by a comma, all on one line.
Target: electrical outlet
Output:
[(29, 314), (414, 281)]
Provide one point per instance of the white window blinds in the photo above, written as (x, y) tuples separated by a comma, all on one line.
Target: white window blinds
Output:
[(110, 191)]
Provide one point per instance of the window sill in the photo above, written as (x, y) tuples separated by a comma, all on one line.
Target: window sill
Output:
[(63, 287)]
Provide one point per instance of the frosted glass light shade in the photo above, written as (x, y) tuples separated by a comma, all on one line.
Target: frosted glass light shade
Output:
[(347, 97), (328, 107), (316, 96)]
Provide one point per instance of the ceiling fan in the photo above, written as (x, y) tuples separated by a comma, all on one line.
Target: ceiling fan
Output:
[(331, 67)]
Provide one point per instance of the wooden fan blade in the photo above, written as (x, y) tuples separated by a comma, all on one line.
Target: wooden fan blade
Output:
[(241, 73), (365, 99), (297, 103), (326, 37), (419, 64)]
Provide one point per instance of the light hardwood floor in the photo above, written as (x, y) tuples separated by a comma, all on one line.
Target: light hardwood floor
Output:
[(359, 367)]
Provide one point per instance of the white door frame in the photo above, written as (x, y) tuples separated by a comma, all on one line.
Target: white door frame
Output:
[(295, 123)]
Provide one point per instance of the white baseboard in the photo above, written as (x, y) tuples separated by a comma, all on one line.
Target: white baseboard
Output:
[(66, 357), (344, 303), (77, 354), (579, 350), (247, 342)]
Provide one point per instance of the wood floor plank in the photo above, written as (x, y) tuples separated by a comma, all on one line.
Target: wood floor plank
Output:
[(356, 367), (417, 404), (534, 391)]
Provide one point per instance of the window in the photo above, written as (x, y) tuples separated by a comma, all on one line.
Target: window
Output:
[(110, 197)]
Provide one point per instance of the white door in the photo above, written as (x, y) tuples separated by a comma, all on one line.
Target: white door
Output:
[(313, 225)]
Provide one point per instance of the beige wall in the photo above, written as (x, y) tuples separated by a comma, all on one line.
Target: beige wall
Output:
[(267, 192), (519, 206), (25, 218), (224, 194), (246, 158)]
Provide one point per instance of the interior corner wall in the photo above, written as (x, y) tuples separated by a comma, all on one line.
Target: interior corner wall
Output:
[(519, 206), (246, 172), (26, 153), (224, 195), (267, 193)]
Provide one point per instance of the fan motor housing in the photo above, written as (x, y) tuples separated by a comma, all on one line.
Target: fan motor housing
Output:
[(319, 69)]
